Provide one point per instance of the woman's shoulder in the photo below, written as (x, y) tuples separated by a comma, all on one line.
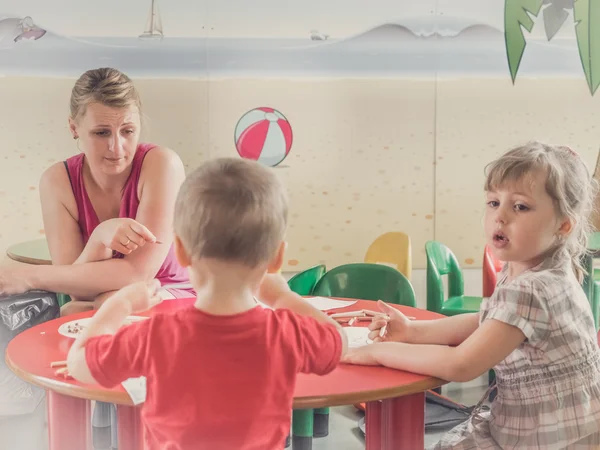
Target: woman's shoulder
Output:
[(161, 163), (158, 155), (55, 177)]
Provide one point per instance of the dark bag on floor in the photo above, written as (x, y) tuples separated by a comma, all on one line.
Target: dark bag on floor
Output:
[(441, 413), (22, 311)]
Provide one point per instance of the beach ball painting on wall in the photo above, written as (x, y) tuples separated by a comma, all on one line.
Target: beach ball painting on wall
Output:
[(264, 135)]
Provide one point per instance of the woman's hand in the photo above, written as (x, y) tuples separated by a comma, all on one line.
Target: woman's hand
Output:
[(15, 279), (398, 325), (122, 235)]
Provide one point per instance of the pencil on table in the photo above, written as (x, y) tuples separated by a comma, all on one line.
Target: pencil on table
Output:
[(368, 312), (348, 314), (382, 331), (58, 364)]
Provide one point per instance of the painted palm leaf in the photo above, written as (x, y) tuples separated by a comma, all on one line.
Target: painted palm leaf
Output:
[(587, 28), (516, 17), (555, 15)]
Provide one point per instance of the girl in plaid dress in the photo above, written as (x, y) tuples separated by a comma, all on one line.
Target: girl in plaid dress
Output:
[(537, 330)]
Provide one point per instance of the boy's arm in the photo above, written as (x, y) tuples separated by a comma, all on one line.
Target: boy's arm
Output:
[(107, 321), (275, 292)]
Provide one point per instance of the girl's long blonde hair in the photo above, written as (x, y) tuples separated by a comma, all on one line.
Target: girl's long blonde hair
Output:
[(569, 184)]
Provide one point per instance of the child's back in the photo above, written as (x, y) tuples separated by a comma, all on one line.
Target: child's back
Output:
[(221, 382), (221, 374)]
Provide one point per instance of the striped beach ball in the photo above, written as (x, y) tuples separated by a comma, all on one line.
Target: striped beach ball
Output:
[(264, 135)]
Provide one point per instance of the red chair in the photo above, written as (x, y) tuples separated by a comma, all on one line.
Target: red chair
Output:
[(491, 267)]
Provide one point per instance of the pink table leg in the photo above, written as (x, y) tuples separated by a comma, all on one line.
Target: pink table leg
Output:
[(129, 428), (396, 423), (69, 422), (373, 425)]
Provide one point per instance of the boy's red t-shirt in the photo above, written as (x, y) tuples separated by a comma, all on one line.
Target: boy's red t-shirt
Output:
[(216, 382)]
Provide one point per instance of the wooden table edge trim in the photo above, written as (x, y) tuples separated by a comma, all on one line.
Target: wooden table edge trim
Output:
[(27, 259), (367, 396), (82, 392)]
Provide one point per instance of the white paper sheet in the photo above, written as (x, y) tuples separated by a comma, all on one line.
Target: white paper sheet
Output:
[(325, 304), (136, 388), (357, 336)]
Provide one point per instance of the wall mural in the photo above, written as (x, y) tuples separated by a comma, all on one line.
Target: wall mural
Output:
[(264, 135), (586, 15), (378, 120)]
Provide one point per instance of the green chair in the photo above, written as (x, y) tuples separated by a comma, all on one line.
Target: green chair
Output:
[(63, 299), (303, 283), (367, 282), (358, 281), (441, 261), (591, 286)]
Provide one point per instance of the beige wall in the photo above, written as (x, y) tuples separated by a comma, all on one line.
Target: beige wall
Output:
[(362, 161)]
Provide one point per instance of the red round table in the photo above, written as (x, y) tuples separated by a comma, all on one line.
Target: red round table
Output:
[(395, 400)]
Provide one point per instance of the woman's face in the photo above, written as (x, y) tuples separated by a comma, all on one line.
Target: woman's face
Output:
[(108, 136)]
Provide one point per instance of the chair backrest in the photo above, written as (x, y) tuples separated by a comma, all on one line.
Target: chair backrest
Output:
[(367, 282), (304, 282), (490, 269), (441, 261), (392, 248)]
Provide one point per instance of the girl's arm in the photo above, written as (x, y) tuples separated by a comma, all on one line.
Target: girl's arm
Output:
[(492, 342), (447, 331), (163, 173)]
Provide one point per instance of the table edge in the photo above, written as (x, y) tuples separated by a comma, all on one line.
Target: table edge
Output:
[(27, 259), (368, 396), (70, 390)]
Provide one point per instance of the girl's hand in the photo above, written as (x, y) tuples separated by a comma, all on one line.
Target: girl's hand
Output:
[(398, 326), (122, 235)]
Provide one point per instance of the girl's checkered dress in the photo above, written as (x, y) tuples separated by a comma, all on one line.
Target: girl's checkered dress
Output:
[(549, 387)]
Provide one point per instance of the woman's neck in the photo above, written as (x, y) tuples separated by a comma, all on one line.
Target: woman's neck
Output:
[(109, 184)]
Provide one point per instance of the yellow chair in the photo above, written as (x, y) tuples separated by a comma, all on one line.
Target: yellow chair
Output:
[(392, 248)]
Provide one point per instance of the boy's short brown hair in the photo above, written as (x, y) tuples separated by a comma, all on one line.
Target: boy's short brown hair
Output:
[(231, 209)]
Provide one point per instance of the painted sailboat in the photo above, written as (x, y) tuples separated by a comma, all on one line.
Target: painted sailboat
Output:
[(153, 30)]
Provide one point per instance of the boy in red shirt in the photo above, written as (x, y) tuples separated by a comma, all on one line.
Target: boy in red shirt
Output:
[(220, 374)]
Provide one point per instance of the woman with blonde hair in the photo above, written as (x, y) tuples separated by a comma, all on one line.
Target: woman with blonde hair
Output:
[(108, 210)]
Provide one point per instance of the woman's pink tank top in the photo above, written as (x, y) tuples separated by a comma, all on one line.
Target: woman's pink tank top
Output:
[(170, 271)]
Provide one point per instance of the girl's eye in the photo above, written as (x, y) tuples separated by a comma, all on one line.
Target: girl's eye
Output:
[(493, 203), (520, 207)]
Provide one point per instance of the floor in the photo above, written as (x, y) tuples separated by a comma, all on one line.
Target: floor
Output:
[(343, 421)]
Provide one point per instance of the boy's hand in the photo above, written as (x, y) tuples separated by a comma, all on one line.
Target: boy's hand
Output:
[(272, 287), (141, 296), (362, 356), (398, 325)]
